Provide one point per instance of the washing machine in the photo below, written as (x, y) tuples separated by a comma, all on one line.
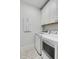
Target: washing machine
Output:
[(46, 45)]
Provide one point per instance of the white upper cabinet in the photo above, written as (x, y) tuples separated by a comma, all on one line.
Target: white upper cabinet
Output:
[(50, 13)]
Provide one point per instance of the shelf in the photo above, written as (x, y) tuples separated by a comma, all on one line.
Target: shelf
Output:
[(50, 23)]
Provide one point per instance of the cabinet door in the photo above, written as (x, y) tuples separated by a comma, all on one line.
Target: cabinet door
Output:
[(38, 43), (50, 13)]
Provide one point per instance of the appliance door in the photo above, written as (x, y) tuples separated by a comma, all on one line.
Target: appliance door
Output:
[(37, 44), (50, 48), (44, 56)]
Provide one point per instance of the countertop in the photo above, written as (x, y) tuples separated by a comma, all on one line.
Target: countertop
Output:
[(53, 37)]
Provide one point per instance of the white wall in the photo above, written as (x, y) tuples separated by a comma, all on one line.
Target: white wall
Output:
[(33, 14), (50, 27)]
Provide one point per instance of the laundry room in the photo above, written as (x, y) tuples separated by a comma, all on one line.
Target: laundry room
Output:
[(39, 29)]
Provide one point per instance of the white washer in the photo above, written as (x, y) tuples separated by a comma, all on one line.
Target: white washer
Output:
[(51, 40), (50, 45)]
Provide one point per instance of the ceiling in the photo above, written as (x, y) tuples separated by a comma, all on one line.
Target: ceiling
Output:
[(36, 3)]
